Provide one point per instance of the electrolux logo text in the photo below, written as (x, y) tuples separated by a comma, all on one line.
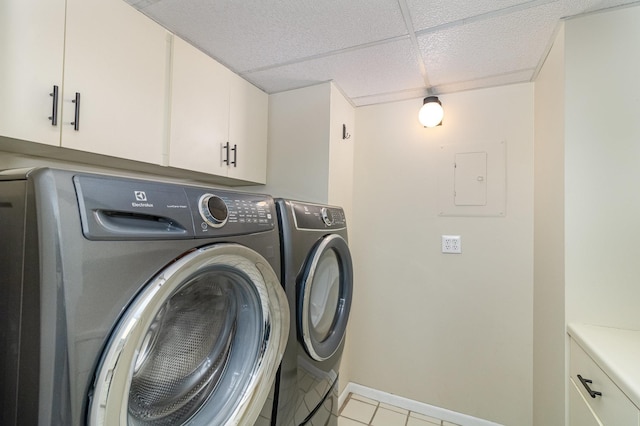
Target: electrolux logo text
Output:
[(140, 196)]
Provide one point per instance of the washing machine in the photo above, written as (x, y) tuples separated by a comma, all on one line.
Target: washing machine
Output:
[(317, 274), (129, 301)]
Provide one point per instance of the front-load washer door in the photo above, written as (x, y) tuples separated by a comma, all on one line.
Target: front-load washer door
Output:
[(199, 345), (324, 297)]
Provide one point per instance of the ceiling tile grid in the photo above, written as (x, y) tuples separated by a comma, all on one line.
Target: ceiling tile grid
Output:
[(374, 50), (389, 97), (481, 83)]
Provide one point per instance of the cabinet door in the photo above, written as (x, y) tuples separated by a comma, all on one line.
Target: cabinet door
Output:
[(116, 58), (31, 54), (199, 111), (248, 130), (580, 414)]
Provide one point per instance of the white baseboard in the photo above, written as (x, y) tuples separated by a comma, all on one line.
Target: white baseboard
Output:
[(411, 405)]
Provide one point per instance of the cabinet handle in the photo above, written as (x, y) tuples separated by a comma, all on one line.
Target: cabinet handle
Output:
[(76, 121), (54, 110), (585, 383), (226, 148), (235, 155)]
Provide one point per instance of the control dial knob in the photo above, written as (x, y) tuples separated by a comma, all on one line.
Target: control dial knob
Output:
[(327, 216), (213, 210)]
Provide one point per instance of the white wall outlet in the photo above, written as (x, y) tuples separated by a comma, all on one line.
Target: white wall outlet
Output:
[(451, 244)]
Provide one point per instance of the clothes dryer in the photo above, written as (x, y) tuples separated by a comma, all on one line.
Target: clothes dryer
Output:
[(130, 301), (317, 273)]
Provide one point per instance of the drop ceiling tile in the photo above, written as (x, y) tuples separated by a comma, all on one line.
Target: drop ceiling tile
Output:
[(386, 67), (428, 14), (510, 43), (251, 34)]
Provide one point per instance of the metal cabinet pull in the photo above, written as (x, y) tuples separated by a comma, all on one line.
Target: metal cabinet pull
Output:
[(226, 148), (54, 110), (76, 121), (235, 155), (585, 383)]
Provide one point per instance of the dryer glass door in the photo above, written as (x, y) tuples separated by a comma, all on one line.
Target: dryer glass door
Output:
[(199, 345), (325, 295)]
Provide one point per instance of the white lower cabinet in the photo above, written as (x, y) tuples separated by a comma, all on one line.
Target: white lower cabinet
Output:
[(594, 398), (580, 414)]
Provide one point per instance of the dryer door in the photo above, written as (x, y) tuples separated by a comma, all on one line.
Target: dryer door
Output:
[(200, 344), (324, 298)]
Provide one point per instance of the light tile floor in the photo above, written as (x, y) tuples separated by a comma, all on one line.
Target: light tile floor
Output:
[(358, 410)]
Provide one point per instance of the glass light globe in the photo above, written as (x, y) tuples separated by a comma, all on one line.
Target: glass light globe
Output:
[(431, 113)]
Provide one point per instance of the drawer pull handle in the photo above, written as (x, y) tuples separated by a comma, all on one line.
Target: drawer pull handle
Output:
[(76, 116), (226, 148), (235, 155), (585, 383), (54, 111)]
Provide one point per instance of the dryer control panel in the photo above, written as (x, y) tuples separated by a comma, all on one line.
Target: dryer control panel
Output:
[(113, 208), (314, 216)]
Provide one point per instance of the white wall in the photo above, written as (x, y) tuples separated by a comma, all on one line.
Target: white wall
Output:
[(341, 154), (586, 203), (453, 331), (549, 322), (298, 144), (602, 168), (340, 190), (307, 157)]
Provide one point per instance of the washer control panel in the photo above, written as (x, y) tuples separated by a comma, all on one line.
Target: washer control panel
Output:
[(222, 212), (314, 216), (114, 208)]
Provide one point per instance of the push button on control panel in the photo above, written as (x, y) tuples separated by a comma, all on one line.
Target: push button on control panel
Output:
[(249, 211)]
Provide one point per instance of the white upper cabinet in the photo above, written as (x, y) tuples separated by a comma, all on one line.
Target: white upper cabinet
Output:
[(98, 76), (199, 110), (218, 120), (116, 60), (248, 123), (31, 54)]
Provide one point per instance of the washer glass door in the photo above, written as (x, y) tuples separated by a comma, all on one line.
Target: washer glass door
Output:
[(199, 345), (325, 291)]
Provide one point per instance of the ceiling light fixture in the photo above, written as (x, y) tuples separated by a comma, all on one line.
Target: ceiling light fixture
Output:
[(431, 113)]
